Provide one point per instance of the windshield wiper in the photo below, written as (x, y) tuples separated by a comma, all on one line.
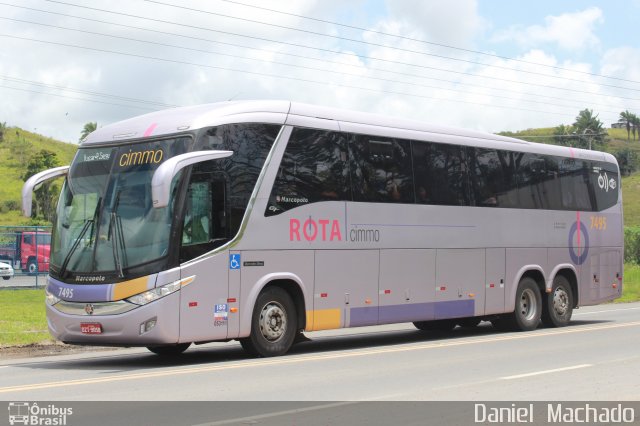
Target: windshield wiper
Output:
[(74, 247), (117, 237)]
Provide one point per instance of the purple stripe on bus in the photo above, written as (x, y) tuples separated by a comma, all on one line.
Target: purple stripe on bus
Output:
[(80, 293), (370, 315), (406, 313), (455, 309), (367, 315)]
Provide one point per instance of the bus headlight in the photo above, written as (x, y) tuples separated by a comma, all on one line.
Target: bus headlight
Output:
[(50, 298), (155, 294)]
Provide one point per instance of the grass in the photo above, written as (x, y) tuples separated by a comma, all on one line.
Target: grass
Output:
[(631, 285), (631, 200), (22, 317), (23, 320)]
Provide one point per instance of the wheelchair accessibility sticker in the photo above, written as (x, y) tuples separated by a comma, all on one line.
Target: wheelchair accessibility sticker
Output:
[(234, 261)]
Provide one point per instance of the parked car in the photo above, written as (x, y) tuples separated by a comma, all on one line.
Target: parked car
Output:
[(6, 271)]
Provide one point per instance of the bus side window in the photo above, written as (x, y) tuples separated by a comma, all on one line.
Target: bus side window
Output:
[(441, 170), (492, 178), (204, 226), (314, 168), (197, 220), (381, 170)]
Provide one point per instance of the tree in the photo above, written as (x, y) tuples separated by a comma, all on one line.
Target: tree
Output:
[(627, 117), (87, 129), (635, 122), (588, 128), (45, 196), (3, 128), (562, 134)]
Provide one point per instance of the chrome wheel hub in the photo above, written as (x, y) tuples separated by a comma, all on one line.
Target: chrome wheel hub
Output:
[(560, 301), (273, 321)]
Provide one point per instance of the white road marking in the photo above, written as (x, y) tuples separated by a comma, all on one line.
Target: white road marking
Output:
[(538, 373), (253, 419), (606, 310)]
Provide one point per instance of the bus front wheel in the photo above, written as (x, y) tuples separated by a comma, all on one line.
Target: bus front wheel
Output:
[(558, 305), (273, 324)]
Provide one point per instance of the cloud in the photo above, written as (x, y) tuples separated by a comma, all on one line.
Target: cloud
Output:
[(622, 62), (569, 31), (455, 22), (342, 74)]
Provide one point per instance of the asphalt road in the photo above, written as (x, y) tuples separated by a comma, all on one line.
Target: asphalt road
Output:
[(596, 358)]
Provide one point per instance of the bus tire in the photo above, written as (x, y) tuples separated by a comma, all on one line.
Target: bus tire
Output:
[(273, 324), (528, 309), (435, 325), (558, 305), (169, 350)]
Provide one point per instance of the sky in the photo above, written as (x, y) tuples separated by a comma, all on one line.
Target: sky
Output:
[(488, 65)]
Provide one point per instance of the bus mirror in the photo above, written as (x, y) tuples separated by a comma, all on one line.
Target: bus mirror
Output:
[(161, 181), (34, 182)]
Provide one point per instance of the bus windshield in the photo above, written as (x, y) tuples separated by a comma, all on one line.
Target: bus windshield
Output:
[(105, 219)]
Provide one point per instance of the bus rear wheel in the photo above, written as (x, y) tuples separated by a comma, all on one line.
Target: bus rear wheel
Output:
[(558, 305), (273, 324), (528, 309), (169, 350)]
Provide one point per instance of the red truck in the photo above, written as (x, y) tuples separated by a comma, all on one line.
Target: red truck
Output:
[(26, 250)]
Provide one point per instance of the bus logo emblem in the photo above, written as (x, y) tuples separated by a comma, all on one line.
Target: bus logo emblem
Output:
[(88, 308)]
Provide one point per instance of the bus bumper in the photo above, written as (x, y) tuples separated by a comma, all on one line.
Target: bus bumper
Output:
[(156, 323)]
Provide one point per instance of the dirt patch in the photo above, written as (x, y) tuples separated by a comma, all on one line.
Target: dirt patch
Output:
[(46, 349)]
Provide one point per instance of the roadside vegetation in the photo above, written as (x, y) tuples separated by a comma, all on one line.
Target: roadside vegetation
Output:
[(22, 317)]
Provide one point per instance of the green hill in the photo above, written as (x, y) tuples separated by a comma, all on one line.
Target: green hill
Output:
[(16, 149)]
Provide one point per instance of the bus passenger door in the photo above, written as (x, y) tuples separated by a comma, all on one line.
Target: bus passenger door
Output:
[(494, 283), (204, 306)]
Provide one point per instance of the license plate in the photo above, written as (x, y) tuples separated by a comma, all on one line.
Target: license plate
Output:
[(91, 328)]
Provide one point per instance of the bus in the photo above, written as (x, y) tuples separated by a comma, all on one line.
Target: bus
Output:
[(259, 220)]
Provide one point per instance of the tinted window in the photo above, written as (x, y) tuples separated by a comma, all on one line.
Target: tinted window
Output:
[(381, 170), (440, 174), (314, 168), (250, 144), (605, 183), (574, 184), (492, 177)]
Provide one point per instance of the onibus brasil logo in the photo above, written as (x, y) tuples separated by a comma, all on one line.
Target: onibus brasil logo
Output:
[(26, 413)]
